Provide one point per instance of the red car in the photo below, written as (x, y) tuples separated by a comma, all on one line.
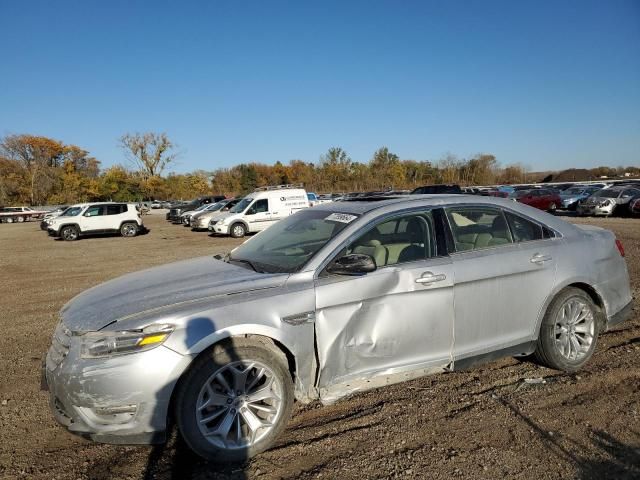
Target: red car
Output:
[(539, 198)]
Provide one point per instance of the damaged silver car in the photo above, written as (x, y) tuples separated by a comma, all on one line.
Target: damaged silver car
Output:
[(333, 300)]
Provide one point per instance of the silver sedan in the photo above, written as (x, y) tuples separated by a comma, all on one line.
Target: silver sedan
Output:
[(333, 300)]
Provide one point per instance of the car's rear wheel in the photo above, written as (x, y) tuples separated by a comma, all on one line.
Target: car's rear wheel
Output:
[(553, 207), (20, 219), (235, 401), (9, 220), (129, 229), (69, 233), (238, 230), (569, 331)]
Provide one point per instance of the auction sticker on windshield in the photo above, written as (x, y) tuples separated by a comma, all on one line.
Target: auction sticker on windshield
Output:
[(341, 217)]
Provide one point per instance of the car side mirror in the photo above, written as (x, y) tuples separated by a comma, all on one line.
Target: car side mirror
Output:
[(353, 264)]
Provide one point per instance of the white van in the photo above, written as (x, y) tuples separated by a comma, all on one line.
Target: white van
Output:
[(260, 209)]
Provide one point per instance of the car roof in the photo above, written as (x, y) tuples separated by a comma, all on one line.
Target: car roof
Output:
[(362, 206)]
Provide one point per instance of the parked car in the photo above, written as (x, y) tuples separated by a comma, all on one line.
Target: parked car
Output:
[(260, 209), (609, 201), (50, 215), (437, 189), (96, 218), (185, 217), (156, 204), (634, 206), (332, 300), (573, 196), (176, 210), (540, 198), (200, 220)]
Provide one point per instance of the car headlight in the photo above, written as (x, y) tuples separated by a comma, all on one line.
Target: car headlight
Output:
[(106, 344)]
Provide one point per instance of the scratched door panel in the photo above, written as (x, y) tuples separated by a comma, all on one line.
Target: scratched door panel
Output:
[(370, 325)]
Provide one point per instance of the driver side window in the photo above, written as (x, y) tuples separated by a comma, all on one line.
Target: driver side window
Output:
[(93, 211), (403, 239), (260, 206)]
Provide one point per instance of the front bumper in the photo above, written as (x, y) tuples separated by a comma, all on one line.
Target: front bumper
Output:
[(588, 209), (122, 399), (219, 229)]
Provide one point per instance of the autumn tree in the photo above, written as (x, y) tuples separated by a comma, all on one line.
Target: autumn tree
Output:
[(388, 171), (335, 169), (38, 156), (150, 152)]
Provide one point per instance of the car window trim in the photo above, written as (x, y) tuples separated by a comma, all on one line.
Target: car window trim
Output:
[(367, 226), (486, 206), (556, 234)]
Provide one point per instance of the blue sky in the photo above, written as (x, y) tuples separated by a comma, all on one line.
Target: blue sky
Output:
[(550, 84)]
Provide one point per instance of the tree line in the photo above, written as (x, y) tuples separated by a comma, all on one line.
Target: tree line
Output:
[(38, 170)]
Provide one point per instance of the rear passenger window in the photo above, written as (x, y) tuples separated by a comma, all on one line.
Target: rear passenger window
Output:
[(403, 239), (474, 228), (116, 209), (524, 230)]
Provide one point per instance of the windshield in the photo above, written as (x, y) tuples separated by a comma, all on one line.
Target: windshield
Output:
[(289, 244), (607, 193), (71, 212), (574, 191), (241, 205)]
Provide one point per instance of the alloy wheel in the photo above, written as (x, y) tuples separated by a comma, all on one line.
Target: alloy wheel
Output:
[(129, 230), (239, 404), (574, 329), (69, 234)]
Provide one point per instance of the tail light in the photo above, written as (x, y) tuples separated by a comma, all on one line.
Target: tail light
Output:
[(620, 247)]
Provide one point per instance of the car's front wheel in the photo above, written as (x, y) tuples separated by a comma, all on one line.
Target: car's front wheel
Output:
[(569, 331), (69, 233), (235, 401), (238, 230), (553, 207)]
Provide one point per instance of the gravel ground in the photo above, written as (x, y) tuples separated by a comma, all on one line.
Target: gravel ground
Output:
[(484, 423)]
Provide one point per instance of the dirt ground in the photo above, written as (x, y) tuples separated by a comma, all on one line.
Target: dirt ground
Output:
[(485, 423)]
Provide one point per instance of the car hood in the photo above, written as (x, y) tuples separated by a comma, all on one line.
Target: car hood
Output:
[(156, 289)]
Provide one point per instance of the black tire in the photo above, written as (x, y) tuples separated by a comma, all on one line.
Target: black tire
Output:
[(552, 208), (69, 233), (213, 363), (548, 350), (129, 229), (237, 230), (20, 219)]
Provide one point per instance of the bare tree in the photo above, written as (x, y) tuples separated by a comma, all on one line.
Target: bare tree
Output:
[(150, 152)]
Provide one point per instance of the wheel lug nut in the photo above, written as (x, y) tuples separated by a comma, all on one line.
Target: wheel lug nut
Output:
[(229, 400)]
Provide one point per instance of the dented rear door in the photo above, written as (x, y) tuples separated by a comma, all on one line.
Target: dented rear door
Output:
[(387, 325)]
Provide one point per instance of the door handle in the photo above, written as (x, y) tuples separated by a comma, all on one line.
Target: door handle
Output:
[(539, 258), (428, 278)]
